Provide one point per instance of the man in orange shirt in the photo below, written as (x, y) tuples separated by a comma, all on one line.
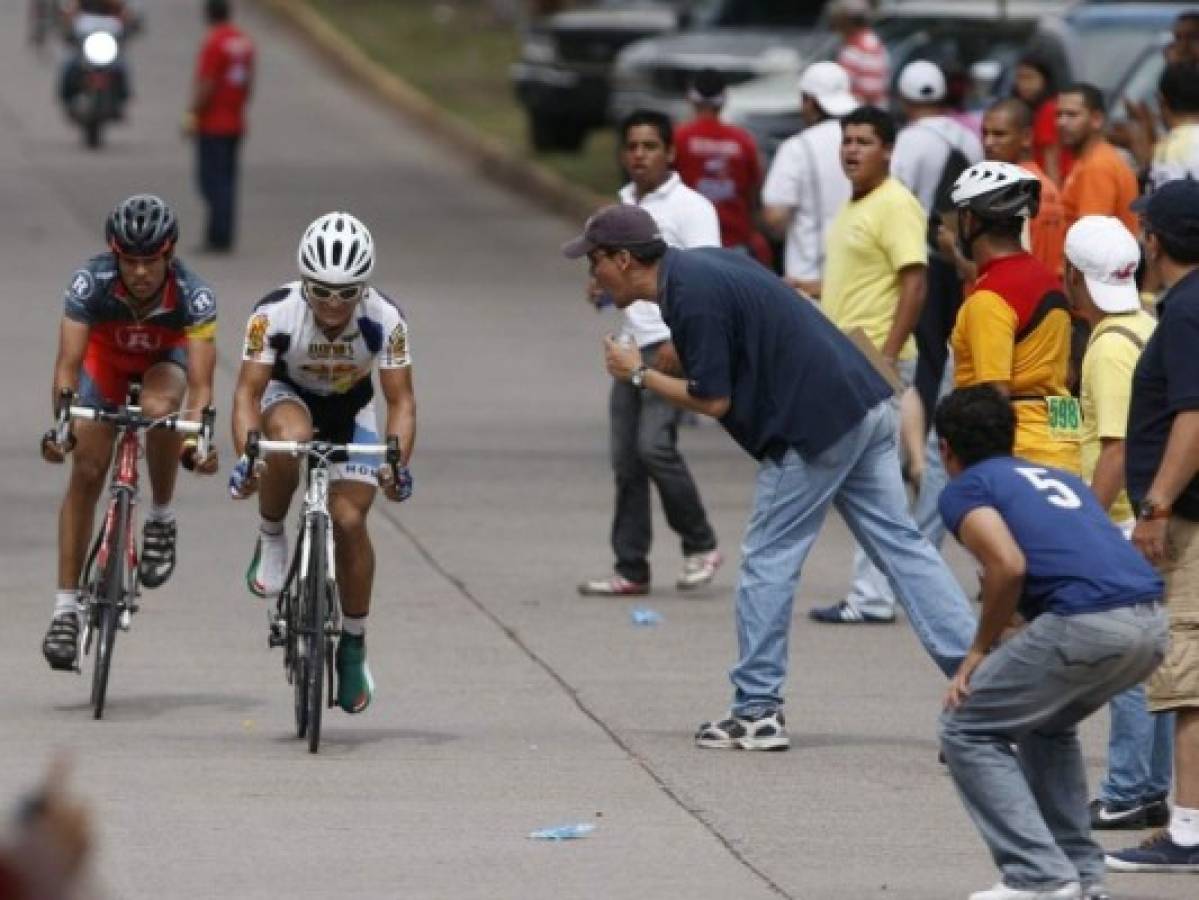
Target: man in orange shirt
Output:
[(1101, 183), (224, 78), (1007, 137)]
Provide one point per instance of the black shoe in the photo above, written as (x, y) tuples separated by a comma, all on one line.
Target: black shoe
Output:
[(61, 644), (158, 553), (1157, 813), (1111, 815)]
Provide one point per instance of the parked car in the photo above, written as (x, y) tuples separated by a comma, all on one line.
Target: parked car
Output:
[(562, 76), (742, 39), (977, 41), (1115, 46)]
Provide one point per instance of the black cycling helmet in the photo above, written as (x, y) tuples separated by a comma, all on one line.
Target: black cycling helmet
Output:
[(142, 225)]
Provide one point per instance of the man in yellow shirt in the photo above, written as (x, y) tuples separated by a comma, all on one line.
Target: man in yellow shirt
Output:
[(874, 279), (1013, 331), (1100, 281)]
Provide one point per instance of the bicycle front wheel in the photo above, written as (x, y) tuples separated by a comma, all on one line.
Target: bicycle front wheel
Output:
[(313, 612), (108, 608)]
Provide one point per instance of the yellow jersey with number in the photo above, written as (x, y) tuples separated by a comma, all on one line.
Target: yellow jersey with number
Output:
[(1014, 328)]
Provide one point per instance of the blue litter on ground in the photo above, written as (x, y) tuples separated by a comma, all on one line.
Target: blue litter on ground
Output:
[(642, 616), (563, 832)]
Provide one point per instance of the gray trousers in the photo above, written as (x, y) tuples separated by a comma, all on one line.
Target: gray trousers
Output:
[(1029, 801), (645, 438)]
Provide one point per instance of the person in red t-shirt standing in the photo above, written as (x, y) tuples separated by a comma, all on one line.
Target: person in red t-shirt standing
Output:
[(224, 79), (721, 162)]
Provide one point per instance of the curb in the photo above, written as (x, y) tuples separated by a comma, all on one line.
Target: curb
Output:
[(492, 157)]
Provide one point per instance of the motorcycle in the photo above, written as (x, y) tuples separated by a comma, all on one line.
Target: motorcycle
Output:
[(95, 88)]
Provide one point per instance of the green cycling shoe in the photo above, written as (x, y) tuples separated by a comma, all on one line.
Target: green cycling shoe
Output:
[(355, 686)]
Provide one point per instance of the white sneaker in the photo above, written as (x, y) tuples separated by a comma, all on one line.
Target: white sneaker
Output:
[(268, 568), (1002, 892), (699, 569)]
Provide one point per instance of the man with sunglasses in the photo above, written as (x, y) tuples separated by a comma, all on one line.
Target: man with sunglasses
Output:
[(310, 348), (134, 312)]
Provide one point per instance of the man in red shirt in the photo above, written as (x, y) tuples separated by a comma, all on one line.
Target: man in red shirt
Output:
[(721, 162), (224, 78), (862, 53)]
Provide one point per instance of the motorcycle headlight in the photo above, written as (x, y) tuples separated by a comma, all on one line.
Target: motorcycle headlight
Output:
[(100, 49), (538, 48)]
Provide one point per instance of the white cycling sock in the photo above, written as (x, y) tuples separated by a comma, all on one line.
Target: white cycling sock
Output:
[(355, 625), (66, 602), (160, 513), (269, 528), (1184, 826)]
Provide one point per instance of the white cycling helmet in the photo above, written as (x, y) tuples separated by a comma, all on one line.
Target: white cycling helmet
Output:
[(997, 190), (336, 249)]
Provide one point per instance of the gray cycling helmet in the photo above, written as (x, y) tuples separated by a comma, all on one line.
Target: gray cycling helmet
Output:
[(997, 190), (142, 225)]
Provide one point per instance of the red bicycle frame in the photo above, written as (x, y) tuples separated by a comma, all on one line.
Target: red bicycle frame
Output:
[(124, 479)]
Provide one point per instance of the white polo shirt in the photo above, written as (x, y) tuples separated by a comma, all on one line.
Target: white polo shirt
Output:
[(806, 175), (921, 150), (686, 218)]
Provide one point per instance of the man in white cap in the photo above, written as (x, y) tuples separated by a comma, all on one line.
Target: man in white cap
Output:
[(806, 186), (1100, 282), (931, 136)]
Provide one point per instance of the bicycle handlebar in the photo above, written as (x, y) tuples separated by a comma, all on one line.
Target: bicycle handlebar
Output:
[(256, 446), (131, 417)]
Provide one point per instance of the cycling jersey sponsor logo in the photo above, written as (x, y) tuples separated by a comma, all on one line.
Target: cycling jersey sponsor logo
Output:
[(82, 284), (330, 350), (203, 302), (397, 346), (138, 340), (256, 334)]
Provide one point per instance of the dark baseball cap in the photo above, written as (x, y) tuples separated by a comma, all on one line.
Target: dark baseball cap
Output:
[(1173, 211), (619, 227)]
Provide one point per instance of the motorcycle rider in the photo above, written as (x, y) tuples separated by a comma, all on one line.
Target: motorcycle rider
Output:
[(72, 70)]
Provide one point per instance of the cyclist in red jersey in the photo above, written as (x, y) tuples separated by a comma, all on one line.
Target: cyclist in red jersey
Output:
[(134, 312)]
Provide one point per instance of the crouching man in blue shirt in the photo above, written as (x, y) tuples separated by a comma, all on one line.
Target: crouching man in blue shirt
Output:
[(793, 391), (1096, 626)]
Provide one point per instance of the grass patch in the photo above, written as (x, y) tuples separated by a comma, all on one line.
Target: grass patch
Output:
[(455, 53)]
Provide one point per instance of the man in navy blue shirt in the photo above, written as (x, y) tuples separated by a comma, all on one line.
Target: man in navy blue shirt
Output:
[(1096, 626), (793, 391), (1162, 466)]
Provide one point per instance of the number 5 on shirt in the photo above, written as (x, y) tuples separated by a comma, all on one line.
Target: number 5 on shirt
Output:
[(1060, 494)]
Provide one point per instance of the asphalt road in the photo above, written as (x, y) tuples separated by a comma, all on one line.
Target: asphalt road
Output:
[(506, 703)]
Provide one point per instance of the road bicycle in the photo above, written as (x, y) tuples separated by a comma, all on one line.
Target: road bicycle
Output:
[(110, 575), (306, 620)]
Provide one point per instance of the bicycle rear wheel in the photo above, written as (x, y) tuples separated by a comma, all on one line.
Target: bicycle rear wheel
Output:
[(313, 611), (108, 607)]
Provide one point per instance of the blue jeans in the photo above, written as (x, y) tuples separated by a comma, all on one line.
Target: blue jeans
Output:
[(858, 476), (1140, 750), (1029, 801), (870, 592)]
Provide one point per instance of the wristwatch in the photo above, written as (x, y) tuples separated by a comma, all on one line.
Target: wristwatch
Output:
[(1151, 509), (637, 379)]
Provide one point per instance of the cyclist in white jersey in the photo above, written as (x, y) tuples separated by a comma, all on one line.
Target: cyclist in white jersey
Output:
[(310, 348)]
